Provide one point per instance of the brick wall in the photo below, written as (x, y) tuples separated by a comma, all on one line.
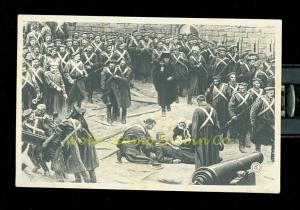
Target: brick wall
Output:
[(262, 36)]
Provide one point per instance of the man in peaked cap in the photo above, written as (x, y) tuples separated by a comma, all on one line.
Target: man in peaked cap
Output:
[(239, 109), (217, 93), (262, 117), (220, 63), (233, 58), (246, 70)]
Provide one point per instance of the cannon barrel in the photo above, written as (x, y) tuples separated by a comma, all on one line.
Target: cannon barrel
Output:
[(223, 173)]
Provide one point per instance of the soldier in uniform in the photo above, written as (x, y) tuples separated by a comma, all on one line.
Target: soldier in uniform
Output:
[(239, 106), (106, 56), (55, 93), (75, 75), (232, 85), (246, 70), (135, 144), (217, 91), (198, 74), (219, 64), (133, 51), (233, 58), (262, 120), (110, 90), (36, 35), (48, 42), (98, 45), (91, 64), (164, 79), (69, 44), (181, 64), (38, 76), (30, 88), (63, 55), (38, 122), (31, 44), (75, 47), (75, 35), (157, 52), (146, 57), (204, 130), (256, 89), (36, 54), (123, 77), (121, 54), (64, 143)]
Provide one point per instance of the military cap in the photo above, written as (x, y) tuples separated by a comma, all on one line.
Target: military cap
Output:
[(243, 84), (26, 113), (232, 46), (217, 77), (231, 73), (75, 32), (251, 56), (201, 98), (256, 80), (97, 35), (32, 38), (48, 34), (165, 55), (62, 45), (41, 107), (69, 40), (269, 88), (221, 48)]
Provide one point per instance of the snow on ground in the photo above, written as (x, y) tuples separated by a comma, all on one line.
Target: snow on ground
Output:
[(110, 171)]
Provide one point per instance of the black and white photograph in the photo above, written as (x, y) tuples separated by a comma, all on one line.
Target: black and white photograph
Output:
[(171, 104)]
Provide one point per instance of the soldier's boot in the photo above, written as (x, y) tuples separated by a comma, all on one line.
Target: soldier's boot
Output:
[(272, 153), (79, 103), (177, 99), (108, 114), (85, 177), (93, 178), (257, 147), (248, 145), (242, 145), (90, 98), (163, 111), (77, 177), (189, 99), (124, 112), (169, 108), (115, 114), (59, 177), (119, 156)]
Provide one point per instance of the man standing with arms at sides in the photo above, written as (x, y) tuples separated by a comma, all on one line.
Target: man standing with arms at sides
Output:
[(262, 120), (91, 63), (217, 91), (164, 79), (204, 131), (239, 110), (75, 75)]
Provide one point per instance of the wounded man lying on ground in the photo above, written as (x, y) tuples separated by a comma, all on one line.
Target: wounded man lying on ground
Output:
[(177, 150)]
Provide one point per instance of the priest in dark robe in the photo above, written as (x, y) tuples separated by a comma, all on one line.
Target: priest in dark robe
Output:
[(164, 79), (204, 131)]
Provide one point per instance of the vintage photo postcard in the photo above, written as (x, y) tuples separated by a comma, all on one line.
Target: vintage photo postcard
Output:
[(132, 103)]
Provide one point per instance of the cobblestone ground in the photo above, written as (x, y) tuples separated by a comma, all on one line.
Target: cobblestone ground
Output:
[(112, 172)]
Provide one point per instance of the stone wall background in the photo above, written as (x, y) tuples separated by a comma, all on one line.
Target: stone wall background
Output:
[(263, 37)]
